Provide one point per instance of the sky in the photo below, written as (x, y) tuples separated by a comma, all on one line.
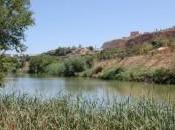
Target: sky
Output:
[(66, 23)]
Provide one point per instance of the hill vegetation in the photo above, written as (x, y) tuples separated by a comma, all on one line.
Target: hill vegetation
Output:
[(149, 61)]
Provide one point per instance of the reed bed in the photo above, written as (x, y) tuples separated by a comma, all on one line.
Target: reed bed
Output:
[(63, 113)]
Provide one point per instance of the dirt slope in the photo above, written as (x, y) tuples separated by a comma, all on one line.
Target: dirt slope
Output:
[(160, 60)]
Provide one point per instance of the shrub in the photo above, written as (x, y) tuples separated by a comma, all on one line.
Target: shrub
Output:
[(163, 41), (60, 69), (107, 54), (8, 64), (89, 61), (62, 51), (77, 65), (97, 70), (142, 48), (1, 77), (86, 73), (163, 76), (90, 48), (39, 63), (54, 69), (91, 72), (44, 64), (73, 66), (159, 76), (113, 73)]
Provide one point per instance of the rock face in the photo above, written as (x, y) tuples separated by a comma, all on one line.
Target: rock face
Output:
[(138, 38)]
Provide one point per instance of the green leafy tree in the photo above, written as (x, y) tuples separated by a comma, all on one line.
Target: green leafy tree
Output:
[(38, 64), (15, 18)]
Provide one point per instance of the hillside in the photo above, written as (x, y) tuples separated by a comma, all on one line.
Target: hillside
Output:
[(159, 60), (136, 38), (66, 52), (147, 57)]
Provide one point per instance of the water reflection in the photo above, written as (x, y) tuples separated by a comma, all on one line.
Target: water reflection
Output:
[(50, 87)]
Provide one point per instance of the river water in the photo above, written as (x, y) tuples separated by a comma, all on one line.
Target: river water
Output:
[(47, 88)]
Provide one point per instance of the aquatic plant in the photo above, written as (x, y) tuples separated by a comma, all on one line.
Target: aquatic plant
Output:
[(64, 113)]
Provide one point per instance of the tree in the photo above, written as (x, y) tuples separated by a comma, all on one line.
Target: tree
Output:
[(15, 18), (91, 48), (40, 62)]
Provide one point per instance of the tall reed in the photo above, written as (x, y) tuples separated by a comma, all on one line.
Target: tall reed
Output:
[(64, 113)]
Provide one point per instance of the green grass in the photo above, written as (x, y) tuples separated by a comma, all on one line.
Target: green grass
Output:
[(23, 113), (139, 74)]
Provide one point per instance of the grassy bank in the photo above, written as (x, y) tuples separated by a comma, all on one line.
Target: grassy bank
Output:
[(138, 74), (91, 66), (23, 113)]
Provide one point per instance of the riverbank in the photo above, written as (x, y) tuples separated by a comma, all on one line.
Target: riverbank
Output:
[(151, 62), (157, 68), (64, 113), (152, 68)]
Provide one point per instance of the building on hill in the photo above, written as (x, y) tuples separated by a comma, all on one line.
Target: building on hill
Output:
[(135, 33), (138, 38)]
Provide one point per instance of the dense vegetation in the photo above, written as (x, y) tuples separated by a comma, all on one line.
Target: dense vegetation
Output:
[(160, 76), (65, 51), (66, 113), (45, 64), (38, 64), (136, 73), (9, 64), (81, 114), (61, 63), (15, 18)]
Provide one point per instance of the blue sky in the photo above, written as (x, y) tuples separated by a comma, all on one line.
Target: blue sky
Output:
[(92, 22)]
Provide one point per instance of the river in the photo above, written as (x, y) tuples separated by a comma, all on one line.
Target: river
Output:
[(47, 88)]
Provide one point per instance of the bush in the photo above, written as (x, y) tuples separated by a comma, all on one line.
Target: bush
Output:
[(1, 77), (159, 76), (90, 48), (112, 73), (89, 61), (91, 72), (62, 51), (44, 64), (55, 69), (74, 66), (163, 41), (39, 63), (77, 65), (141, 49), (60, 69), (108, 54), (163, 76), (97, 70)]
